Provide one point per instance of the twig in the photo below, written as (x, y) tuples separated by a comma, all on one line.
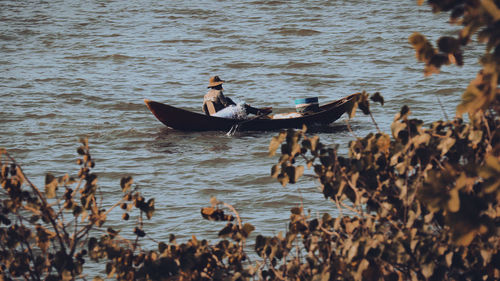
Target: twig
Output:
[(375, 122), (235, 213), (350, 129), (442, 109), (45, 205), (487, 127), (120, 202), (33, 272), (77, 187)]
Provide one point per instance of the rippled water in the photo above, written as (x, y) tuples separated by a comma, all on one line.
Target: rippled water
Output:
[(82, 68)]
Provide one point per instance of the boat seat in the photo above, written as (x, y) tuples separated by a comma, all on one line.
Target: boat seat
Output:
[(209, 108)]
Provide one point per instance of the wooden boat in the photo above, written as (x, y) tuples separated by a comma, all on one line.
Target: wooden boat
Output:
[(185, 120)]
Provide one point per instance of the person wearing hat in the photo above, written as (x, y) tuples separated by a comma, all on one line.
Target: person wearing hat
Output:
[(215, 97), (215, 100)]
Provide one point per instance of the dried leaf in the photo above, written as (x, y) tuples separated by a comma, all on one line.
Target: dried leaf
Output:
[(276, 143), (428, 269), (50, 186), (353, 251), (476, 136), (314, 142), (66, 275), (213, 201), (126, 182), (247, 229), (207, 211), (403, 113), (446, 144), (384, 143), (150, 208), (363, 103), (299, 171), (454, 201), (351, 108), (417, 40), (295, 150), (448, 45), (465, 238), (472, 99), (377, 98), (275, 170), (421, 139), (363, 265), (491, 173), (449, 259), (397, 127), (486, 255), (283, 179)]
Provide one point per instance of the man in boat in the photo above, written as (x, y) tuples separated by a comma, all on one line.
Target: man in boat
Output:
[(215, 100)]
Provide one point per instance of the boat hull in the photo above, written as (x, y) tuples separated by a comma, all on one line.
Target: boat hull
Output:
[(184, 120)]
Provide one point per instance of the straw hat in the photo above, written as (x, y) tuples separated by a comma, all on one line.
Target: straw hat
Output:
[(215, 81)]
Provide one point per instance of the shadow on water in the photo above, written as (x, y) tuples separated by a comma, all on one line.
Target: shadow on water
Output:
[(169, 133), (332, 128), (171, 141)]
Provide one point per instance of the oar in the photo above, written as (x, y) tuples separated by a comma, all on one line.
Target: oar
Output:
[(265, 111)]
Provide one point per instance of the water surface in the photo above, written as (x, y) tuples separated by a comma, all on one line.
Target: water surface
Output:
[(73, 69)]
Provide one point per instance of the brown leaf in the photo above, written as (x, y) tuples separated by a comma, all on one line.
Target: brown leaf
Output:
[(295, 150), (446, 144), (150, 208), (473, 99), (296, 210), (454, 201), (207, 211), (247, 229), (276, 143), (50, 186), (363, 265), (275, 170), (377, 98), (384, 143), (491, 173), (213, 201), (363, 103), (353, 251), (283, 179), (351, 108), (448, 45), (403, 113), (476, 136), (299, 171), (417, 40), (428, 269), (397, 127), (465, 238), (126, 182), (66, 275)]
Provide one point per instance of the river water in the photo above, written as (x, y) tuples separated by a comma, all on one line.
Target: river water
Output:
[(71, 69)]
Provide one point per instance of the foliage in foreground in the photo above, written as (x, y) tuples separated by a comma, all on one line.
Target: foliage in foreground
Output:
[(50, 234), (419, 204)]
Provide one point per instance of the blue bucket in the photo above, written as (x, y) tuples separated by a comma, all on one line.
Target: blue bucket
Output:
[(307, 105)]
